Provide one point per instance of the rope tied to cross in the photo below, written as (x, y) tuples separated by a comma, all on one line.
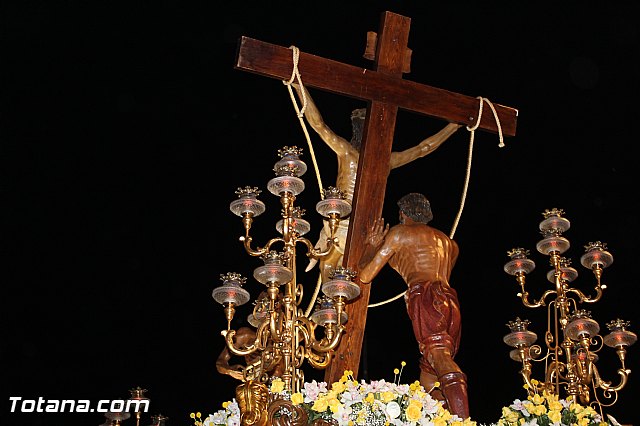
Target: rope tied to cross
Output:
[(472, 130)]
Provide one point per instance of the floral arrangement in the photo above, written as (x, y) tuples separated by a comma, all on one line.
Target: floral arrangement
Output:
[(548, 410), (349, 403)]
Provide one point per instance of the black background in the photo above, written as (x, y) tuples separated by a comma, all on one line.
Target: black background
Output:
[(125, 132)]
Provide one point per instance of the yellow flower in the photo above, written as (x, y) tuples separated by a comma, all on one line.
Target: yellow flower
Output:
[(443, 414), (226, 404), (403, 363), (277, 385), (538, 410), (338, 387), (537, 399), (583, 422), (396, 371), (415, 403), (509, 415), (387, 396), (297, 398), (320, 405), (370, 398), (439, 421), (192, 415), (413, 412), (334, 405), (555, 416)]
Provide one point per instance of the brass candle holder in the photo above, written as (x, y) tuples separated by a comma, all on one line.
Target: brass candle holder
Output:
[(571, 339)]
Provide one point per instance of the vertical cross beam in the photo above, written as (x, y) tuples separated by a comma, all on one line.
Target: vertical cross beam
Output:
[(385, 91), (371, 183)]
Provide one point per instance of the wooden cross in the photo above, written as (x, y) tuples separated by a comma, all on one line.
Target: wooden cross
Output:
[(385, 91)]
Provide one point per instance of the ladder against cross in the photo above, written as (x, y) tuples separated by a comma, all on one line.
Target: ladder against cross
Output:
[(385, 92)]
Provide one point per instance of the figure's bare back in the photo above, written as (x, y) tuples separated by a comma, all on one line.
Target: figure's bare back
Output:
[(421, 253)]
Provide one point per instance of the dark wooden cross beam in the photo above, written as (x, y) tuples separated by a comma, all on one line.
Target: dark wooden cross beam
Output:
[(385, 91)]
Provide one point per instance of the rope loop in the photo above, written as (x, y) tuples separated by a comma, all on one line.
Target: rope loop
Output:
[(295, 75), (297, 78), (495, 116)]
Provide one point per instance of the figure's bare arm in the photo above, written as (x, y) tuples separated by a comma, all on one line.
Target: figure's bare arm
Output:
[(377, 252), (243, 337), (338, 144), (425, 147)]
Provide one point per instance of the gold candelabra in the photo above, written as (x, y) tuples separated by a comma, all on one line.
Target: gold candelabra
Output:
[(137, 403), (572, 339), (285, 335)]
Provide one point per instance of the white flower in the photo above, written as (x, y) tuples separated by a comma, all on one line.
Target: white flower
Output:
[(402, 389), (393, 409), (218, 418), (342, 415), (312, 389)]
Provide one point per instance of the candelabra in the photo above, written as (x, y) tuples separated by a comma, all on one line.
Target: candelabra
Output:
[(285, 335), (572, 339), (137, 403)]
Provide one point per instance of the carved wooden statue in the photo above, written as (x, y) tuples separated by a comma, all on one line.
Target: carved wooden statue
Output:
[(424, 257)]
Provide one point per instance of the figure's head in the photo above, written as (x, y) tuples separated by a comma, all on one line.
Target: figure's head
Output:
[(357, 126), (416, 206)]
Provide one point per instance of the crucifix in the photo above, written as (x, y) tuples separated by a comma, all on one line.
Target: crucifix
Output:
[(385, 91)]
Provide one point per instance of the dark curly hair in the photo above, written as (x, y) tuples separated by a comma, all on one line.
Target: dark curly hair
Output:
[(416, 206)]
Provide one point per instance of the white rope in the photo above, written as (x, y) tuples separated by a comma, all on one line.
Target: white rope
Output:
[(472, 130), (384, 302), (295, 76)]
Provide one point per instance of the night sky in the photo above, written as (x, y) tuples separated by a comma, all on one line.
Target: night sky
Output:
[(125, 131)]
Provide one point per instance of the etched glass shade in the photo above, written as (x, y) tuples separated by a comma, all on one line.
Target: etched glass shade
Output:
[(619, 337), (581, 326), (340, 285), (567, 273), (583, 356), (253, 321), (519, 335), (117, 415), (327, 316), (281, 184), (553, 243), (299, 225), (326, 313), (290, 158), (247, 203), (596, 256), (273, 271), (337, 206), (554, 222), (514, 354), (520, 265), (158, 420), (231, 290)]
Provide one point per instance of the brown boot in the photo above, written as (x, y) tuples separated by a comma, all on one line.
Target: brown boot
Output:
[(454, 387)]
